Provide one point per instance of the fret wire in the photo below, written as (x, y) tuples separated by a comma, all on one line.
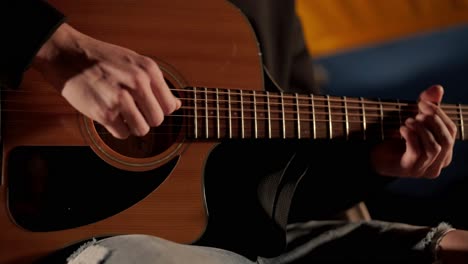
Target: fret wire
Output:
[(195, 111), (346, 117), (218, 132), (444, 106), (381, 120), (336, 99), (269, 116), (330, 126), (284, 117), (242, 114), (367, 107), (337, 114), (298, 117), (453, 116), (313, 116), (230, 115), (329, 99), (206, 112), (462, 124), (279, 119), (323, 131), (321, 121), (364, 122), (255, 114), (288, 119)]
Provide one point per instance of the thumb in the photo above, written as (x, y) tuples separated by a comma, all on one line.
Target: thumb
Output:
[(433, 94)]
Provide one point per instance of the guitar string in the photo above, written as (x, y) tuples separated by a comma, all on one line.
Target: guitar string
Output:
[(318, 122), (274, 116), (349, 105), (455, 116), (365, 104), (292, 97), (319, 128)]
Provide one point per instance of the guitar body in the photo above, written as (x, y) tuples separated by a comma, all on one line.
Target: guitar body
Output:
[(206, 43)]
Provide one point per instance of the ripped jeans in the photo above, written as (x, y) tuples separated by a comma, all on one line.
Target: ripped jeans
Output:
[(309, 242)]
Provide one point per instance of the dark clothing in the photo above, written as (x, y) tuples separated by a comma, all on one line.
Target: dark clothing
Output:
[(282, 44), (337, 172), (26, 25), (278, 182)]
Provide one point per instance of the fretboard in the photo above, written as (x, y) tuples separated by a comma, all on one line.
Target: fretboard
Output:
[(214, 113)]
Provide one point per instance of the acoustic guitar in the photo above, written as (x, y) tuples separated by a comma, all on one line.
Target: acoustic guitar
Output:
[(209, 55)]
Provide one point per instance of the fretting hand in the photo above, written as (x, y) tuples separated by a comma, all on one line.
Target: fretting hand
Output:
[(429, 138)]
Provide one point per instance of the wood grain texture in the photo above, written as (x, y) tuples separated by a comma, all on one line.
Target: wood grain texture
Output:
[(199, 43)]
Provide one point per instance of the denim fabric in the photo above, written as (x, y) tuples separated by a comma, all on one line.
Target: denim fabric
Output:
[(143, 249), (308, 242), (355, 242)]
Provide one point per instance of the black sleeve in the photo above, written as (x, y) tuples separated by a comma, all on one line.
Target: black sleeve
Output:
[(340, 175), (25, 26)]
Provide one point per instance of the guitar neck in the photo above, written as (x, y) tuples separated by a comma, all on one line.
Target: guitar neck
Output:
[(215, 113)]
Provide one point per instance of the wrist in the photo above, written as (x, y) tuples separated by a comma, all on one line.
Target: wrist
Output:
[(453, 247), (63, 39)]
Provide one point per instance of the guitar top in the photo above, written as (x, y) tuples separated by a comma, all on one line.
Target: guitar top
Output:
[(206, 43)]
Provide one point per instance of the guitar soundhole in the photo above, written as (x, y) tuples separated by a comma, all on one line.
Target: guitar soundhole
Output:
[(154, 143)]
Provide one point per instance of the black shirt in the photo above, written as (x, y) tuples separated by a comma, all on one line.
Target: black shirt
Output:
[(25, 26), (282, 44)]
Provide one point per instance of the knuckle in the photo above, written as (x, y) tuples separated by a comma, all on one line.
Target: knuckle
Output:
[(434, 108), (417, 154), (140, 77), (435, 149), (128, 57), (120, 98), (169, 107), (146, 63), (156, 71), (432, 150), (107, 116), (447, 161), (158, 119), (434, 173), (425, 162), (142, 130), (97, 72), (118, 133), (437, 109), (447, 140), (452, 127)]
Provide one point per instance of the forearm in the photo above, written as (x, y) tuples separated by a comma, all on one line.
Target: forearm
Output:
[(453, 247)]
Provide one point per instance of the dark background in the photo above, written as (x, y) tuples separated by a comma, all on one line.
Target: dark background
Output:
[(401, 69)]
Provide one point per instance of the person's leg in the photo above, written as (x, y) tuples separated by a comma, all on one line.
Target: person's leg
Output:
[(360, 242), (143, 249)]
